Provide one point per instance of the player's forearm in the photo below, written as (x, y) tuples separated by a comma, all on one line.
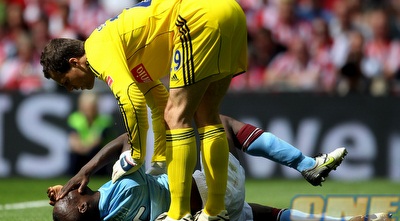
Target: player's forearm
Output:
[(109, 153), (156, 99)]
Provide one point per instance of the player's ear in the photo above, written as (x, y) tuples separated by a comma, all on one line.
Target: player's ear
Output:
[(74, 62), (82, 208)]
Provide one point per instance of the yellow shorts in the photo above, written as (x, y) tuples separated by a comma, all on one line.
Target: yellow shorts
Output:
[(210, 40)]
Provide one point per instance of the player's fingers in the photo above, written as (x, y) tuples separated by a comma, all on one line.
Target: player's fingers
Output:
[(60, 196), (82, 186), (51, 195), (64, 191)]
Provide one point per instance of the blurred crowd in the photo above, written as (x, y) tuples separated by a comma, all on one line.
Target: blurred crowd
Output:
[(322, 46), (27, 25), (316, 46)]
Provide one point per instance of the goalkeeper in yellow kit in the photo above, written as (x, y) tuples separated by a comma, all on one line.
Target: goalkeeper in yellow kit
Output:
[(201, 45)]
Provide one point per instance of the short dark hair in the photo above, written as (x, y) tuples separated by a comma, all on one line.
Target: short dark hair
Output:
[(67, 208), (56, 54), (64, 210)]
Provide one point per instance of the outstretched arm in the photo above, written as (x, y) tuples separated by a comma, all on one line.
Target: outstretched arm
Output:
[(106, 155)]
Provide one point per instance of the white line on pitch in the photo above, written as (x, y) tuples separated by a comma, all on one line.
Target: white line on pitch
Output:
[(24, 205)]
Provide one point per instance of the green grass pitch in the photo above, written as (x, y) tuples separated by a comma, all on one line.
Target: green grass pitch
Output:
[(25, 199)]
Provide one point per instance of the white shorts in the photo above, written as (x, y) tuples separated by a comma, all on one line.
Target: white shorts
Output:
[(238, 209)]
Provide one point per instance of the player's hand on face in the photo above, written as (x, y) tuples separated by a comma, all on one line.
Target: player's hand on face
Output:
[(79, 181), (52, 193)]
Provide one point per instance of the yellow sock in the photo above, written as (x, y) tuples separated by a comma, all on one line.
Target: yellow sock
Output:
[(215, 154), (181, 161)]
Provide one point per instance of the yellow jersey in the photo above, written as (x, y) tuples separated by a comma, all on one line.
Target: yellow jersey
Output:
[(188, 39)]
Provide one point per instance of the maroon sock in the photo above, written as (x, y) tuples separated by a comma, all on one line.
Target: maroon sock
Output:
[(261, 212), (247, 134), (276, 213)]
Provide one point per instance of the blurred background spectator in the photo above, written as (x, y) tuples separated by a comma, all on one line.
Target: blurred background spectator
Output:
[(382, 53), (293, 70), (86, 15), (22, 71), (348, 45), (89, 132), (262, 51), (352, 78), (313, 9), (27, 25), (283, 22), (319, 48)]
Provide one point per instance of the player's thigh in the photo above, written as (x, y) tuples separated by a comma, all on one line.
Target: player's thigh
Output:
[(207, 112), (183, 103)]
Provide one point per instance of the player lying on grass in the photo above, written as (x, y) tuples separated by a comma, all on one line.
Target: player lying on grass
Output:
[(243, 136), (141, 196), (256, 142), (246, 137)]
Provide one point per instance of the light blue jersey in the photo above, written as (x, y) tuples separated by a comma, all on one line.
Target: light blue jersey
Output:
[(137, 196)]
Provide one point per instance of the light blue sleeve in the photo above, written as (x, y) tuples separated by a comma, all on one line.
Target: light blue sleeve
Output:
[(126, 199)]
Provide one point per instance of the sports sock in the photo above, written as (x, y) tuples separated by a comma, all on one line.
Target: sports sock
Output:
[(181, 160), (257, 142), (215, 154), (295, 215)]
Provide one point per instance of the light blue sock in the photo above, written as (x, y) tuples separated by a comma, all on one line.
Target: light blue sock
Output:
[(295, 215), (271, 147)]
